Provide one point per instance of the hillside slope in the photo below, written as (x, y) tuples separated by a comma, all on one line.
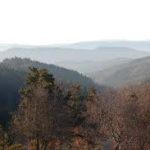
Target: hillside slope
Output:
[(134, 72), (61, 74), (12, 77)]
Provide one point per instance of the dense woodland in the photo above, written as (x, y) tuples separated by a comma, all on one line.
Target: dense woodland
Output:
[(50, 116), (12, 78)]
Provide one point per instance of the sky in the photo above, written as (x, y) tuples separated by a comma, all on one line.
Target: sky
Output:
[(43, 22)]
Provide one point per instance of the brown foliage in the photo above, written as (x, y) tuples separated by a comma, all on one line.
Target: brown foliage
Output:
[(130, 117)]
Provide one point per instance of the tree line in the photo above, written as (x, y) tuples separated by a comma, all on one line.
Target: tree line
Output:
[(53, 117)]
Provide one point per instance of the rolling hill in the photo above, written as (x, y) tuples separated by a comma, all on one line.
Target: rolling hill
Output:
[(134, 72), (138, 45), (88, 67), (82, 60)]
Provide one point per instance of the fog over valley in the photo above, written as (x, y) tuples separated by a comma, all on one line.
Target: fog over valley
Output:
[(97, 60)]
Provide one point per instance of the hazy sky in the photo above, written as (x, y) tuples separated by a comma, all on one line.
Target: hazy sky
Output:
[(63, 21)]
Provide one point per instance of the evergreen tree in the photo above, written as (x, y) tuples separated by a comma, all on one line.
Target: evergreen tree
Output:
[(36, 115)]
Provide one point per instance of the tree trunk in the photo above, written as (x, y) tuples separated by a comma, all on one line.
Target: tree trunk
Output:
[(37, 144), (3, 147), (117, 147), (45, 146), (28, 144), (142, 146)]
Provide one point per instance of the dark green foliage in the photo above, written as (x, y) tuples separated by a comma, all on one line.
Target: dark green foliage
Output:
[(36, 115), (10, 83), (75, 103), (61, 74), (4, 139), (12, 77)]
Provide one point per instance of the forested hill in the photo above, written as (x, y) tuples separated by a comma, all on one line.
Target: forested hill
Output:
[(61, 74), (133, 72), (12, 76)]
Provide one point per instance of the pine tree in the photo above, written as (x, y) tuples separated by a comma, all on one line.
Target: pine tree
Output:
[(36, 115)]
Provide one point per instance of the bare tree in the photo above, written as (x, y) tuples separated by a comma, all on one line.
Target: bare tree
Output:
[(129, 124)]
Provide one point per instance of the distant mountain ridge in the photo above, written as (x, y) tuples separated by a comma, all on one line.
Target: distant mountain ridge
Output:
[(84, 57), (138, 45), (82, 60), (55, 54), (134, 72)]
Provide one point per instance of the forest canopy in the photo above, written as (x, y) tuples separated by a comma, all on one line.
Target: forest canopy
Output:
[(51, 116)]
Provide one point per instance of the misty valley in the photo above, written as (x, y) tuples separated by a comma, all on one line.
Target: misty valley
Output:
[(81, 96)]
